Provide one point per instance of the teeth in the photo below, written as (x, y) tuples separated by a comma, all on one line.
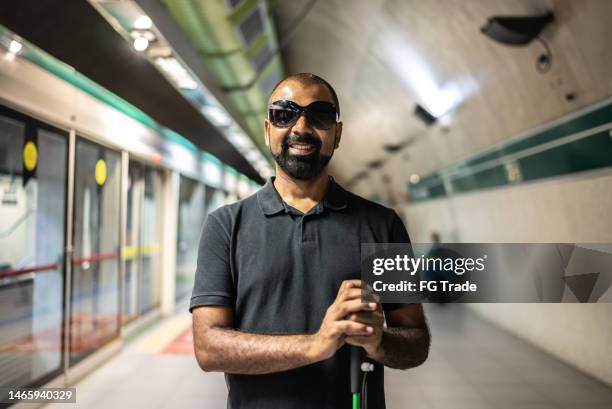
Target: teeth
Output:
[(301, 146)]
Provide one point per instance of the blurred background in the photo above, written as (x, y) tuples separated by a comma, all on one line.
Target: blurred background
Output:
[(124, 122)]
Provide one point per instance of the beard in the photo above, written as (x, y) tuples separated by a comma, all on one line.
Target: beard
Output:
[(301, 167)]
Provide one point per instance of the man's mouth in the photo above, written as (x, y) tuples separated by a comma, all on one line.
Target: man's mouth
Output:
[(301, 148)]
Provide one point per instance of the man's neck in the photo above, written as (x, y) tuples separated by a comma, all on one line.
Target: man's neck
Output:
[(301, 194)]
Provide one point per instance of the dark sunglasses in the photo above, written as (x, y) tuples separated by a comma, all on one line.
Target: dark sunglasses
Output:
[(319, 114)]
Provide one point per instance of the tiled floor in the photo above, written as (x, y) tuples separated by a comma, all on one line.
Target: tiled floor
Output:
[(472, 365)]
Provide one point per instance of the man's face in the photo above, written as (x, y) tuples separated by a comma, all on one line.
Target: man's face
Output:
[(301, 150)]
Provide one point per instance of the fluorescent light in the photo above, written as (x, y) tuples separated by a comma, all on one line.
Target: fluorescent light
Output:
[(143, 23), (15, 47), (217, 115), (239, 140), (252, 155), (141, 44), (177, 73), (416, 74)]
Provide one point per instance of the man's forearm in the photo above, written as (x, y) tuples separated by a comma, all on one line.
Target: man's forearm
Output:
[(232, 351), (403, 348)]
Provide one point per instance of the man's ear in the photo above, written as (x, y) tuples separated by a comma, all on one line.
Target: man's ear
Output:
[(267, 132), (338, 135)]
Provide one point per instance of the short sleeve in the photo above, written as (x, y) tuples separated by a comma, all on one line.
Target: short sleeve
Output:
[(213, 283)]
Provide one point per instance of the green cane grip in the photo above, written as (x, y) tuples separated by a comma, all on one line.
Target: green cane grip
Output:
[(356, 401)]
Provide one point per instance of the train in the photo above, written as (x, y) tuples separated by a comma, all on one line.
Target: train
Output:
[(101, 210)]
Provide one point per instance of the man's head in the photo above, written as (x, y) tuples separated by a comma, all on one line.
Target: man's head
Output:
[(301, 130)]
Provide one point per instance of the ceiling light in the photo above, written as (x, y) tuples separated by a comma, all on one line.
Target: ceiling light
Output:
[(177, 73), (439, 96), (239, 140), (252, 155), (15, 46), (414, 178), (141, 44), (217, 115), (143, 23)]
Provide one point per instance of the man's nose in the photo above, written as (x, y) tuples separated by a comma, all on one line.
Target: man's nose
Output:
[(302, 123)]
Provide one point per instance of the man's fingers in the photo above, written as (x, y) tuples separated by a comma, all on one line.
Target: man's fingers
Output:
[(357, 289), (375, 318), (347, 307), (357, 340), (350, 294), (353, 328), (347, 284)]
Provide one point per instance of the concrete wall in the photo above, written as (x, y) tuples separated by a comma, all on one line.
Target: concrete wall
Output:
[(570, 209)]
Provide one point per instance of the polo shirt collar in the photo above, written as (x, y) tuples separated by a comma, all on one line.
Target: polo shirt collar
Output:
[(271, 203)]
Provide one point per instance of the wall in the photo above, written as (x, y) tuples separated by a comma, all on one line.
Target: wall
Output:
[(569, 209)]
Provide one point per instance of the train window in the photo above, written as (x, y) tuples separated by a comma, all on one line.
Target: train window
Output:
[(95, 275), (191, 213), (142, 278), (132, 242), (215, 199), (32, 231), (195, 202), (151, 240)]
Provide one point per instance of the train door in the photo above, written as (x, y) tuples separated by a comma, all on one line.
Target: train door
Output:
[(132, 241), (33, 177), (142, 279), (191, 213), (152, 214), (94, 314)]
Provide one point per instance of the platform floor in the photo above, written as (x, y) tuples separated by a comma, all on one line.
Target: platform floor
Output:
[(472, 364)]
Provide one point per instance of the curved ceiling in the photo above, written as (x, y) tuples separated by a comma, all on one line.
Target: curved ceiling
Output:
[(385, 56)]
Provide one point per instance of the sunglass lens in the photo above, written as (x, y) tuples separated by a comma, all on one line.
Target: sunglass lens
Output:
[(282, 117), (322, 115)]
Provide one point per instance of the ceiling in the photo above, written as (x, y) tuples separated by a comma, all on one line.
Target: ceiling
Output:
[(385, 56), (236, 41)]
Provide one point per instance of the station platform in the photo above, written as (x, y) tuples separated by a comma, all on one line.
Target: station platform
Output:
[(472, 364)]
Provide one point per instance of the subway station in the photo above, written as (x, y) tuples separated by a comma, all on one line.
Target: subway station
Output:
[(188, 189)]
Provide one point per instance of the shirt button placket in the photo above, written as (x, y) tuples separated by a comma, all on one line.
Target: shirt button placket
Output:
[(302, 228)]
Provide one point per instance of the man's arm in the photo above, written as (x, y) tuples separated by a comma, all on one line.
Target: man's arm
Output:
[(218, 347), (403, 344), (405, 340)]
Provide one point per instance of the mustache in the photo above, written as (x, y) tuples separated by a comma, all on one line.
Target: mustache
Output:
[(309, 139)]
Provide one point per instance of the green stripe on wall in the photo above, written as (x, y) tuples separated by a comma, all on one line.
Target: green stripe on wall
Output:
[(576, 143)]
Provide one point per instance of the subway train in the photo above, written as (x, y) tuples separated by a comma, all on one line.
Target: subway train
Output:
[(101, 210)]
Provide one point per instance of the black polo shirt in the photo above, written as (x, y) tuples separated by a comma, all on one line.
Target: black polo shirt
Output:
[(279, 270)]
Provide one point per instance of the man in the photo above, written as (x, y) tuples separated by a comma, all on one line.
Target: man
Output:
[(276, 300)]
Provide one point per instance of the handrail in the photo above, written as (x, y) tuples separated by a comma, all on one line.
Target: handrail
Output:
[(28, 270), (96, 258)]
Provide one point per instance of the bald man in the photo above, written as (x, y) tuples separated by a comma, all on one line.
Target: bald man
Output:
[(277, 296)]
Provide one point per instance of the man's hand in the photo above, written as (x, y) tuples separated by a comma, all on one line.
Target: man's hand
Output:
[(335, 327), (403, 344), (375, 319)]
